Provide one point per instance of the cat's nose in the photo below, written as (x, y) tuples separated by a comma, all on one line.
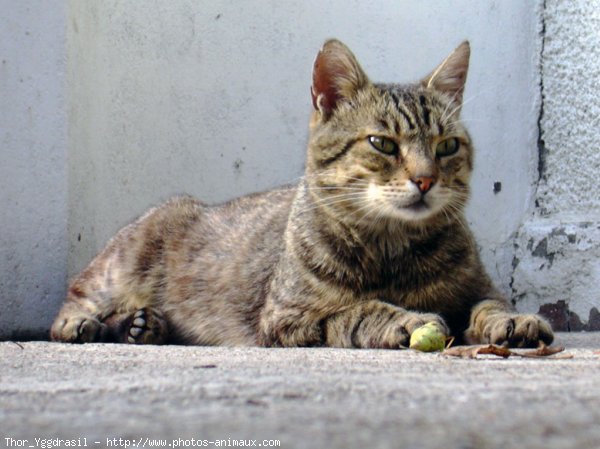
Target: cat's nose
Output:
[(424, 183)]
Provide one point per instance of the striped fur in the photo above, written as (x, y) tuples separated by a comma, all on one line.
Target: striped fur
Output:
[(370, 245)]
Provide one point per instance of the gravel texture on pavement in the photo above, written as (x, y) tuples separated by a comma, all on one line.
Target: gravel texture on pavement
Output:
[(104, 395)]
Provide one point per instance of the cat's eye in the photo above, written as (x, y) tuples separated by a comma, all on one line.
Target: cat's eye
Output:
[(447, 147), (383, 144)]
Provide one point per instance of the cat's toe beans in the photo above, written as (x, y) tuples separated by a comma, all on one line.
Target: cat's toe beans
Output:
[(138, 326), (147, 327), (135, 331)]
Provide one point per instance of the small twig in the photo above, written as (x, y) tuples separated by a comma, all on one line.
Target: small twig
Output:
[(18, 344)]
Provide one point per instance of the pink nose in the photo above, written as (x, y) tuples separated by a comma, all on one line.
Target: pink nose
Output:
[(424, 183)]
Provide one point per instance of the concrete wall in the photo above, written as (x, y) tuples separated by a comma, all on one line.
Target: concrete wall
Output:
[(558, 248), (33, 165), (212, 98)]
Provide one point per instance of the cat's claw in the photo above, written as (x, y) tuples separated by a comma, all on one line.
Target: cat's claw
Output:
[(78, 329), (518, 331)]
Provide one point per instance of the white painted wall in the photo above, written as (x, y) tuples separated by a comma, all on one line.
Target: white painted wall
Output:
[(212, 98), (33, 165)]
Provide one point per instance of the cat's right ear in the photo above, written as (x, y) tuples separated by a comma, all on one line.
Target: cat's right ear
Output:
[(337, 77)]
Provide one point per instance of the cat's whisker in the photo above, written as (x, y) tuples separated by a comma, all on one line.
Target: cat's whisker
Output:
[(364, 204), (309, 188), (380, 215), (354, 178), (330, 172), (341, 195), (457, 215), (325, 204), (446, 214), (450, 103), (468, 120), (463, 121), (307, 176), (355, 197), (456, 108), (368, 208)]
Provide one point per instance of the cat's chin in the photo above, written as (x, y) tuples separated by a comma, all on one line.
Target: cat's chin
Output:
[(415, 212)]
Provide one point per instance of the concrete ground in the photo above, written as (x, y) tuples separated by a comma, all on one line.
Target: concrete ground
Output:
[(103, 395)]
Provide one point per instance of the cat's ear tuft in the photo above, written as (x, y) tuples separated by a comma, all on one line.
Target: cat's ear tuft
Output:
[(337, 76), (450, 76)]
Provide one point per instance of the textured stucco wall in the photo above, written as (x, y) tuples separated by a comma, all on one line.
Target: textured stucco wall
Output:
[(571, 115), (213, 99), (33, 166), (557, 263)]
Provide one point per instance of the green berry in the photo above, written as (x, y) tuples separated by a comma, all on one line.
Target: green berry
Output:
[(428, 338)]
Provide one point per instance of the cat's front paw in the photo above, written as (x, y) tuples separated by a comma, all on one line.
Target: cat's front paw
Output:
[(413, 321), (517, 330), (77, 329), (398, 335)]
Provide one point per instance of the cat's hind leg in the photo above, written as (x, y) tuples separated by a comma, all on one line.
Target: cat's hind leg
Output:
[(118, 296), (96, 294)]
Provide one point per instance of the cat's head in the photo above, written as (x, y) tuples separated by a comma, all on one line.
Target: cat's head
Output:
[(388, 151)]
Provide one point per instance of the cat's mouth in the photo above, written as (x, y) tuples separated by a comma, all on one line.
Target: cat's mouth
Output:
[(415, 211), (418, 206)]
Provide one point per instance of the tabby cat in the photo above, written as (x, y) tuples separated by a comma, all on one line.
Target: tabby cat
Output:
[(370, 244)]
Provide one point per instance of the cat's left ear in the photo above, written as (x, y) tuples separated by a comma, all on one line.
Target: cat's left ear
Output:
[(337, 77), (450, 76)]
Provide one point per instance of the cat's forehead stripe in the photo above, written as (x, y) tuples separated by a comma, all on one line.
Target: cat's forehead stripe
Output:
[(424, 109), (415, 107), (401, 110)]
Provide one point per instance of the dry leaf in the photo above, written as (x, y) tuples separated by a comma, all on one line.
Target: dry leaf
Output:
[(472, 352), (545, 351)]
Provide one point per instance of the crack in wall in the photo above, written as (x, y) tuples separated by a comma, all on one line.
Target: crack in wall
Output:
[(541, 144)]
